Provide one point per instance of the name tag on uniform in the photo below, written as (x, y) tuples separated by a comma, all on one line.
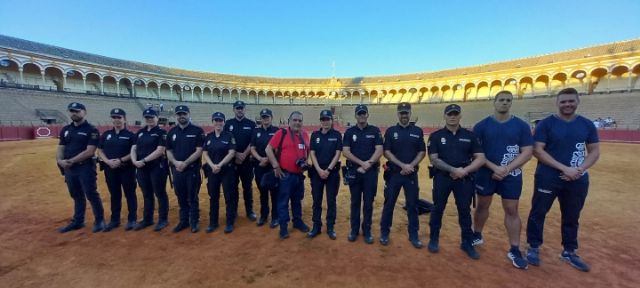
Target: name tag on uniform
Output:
[(414, 135), (225, 142), (370, 136), (122, 137), (82, 133), (191, 136), (246, 128), (465, 140), (271, 134), (301, 146), (154, 135), (333, 139)]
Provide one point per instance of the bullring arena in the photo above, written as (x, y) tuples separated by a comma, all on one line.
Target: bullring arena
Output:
[(37, 81)]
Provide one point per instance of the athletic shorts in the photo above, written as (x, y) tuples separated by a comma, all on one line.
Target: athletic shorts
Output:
[(509, 188)]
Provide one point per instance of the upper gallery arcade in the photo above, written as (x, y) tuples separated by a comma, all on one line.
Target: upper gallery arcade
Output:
[(596, 69)]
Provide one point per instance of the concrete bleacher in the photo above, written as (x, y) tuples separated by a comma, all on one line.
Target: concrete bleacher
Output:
[(622, 106), (19, 107)]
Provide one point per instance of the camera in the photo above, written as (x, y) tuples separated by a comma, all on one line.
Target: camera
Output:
[(302, 164)]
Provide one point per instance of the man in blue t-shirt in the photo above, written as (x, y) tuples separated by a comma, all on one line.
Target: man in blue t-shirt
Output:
[(507, 144), (566, 145)]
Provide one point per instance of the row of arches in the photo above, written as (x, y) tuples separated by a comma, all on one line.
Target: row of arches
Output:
[(615, 77)]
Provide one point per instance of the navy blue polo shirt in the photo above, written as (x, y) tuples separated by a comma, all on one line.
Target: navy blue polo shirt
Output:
[(148, 140), (76, 138), (454, 149), (325, 145), (501, 141), (404, 142), (117, 145), (565, 141), (241, 130), (183, 142), (260, 138), (218, 147), (362, 142)]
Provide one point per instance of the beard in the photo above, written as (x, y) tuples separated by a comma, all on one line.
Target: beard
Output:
[(76, 118)]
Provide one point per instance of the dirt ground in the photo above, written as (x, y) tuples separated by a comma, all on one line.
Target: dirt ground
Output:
[(34, 202)]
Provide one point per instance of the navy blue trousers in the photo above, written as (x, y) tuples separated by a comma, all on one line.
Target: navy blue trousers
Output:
[(391, 192), (463, 194), (119, 180), (291, 190), (82, 184), (571, 196), (227, 179), (152, 179), (318, 185), (245, 176), (187, 187), (363, 191), (265, 194)]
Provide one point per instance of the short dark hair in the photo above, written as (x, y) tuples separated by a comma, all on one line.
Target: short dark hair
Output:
[(569, 91), (503, 92)]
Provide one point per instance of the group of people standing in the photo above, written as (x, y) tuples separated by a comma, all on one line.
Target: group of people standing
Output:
[(480, 162)]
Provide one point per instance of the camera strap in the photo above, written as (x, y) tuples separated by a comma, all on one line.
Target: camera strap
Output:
[(279, 151), (293, 140)]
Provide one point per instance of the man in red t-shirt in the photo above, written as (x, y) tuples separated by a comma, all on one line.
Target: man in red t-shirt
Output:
[(288, 166)]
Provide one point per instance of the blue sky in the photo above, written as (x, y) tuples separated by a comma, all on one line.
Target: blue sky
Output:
[(280, 38)]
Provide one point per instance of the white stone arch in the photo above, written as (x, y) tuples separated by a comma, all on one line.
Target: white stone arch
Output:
[(36, 63), (15, 60), (56, 66), (526, 86), (75, 69)]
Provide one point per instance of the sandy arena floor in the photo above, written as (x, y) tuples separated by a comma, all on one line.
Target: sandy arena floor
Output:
[(35, 202)]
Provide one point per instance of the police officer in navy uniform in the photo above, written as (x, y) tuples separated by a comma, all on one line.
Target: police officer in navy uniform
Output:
[(456, 154), (363, 149), (404, 147), (259, 140), (242, 129), (114, 151), (219, 151), (184, 150), (148, 156), (75, 153), (326, 147)]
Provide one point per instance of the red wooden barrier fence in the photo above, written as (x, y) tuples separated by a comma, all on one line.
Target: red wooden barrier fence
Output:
[(12, 133)]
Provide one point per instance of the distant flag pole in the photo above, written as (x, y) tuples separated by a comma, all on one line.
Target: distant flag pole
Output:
[(333, 69)]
